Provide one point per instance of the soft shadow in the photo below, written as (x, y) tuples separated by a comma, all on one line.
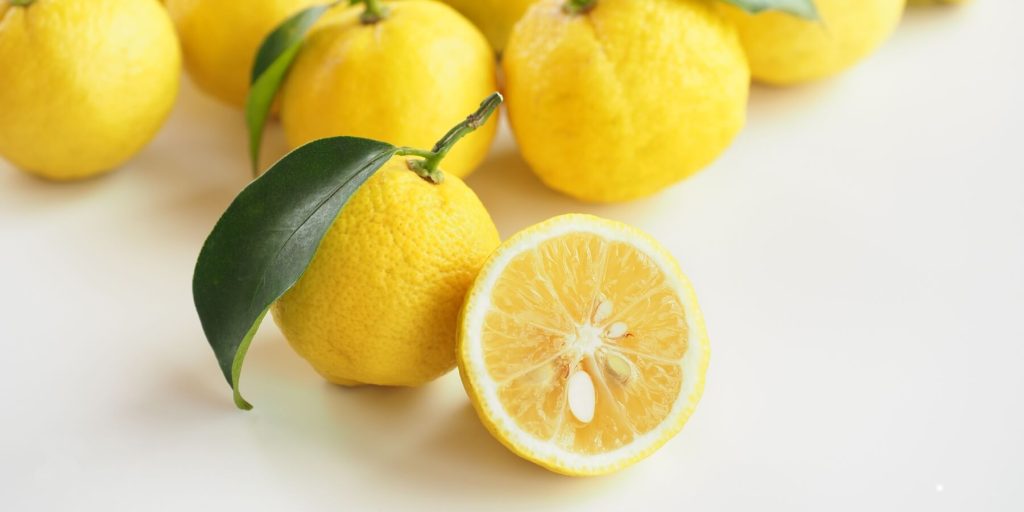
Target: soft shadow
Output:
[(774, 104), (180, 397), (937, 16), (23, 194), (453, 454), (180, 388), (428, 437), (460, 456), (189, 206), (187, 391)]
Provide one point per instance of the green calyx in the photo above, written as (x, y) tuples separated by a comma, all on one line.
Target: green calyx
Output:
[(427, 168), (373, 12), (578, 6), (21, 3)]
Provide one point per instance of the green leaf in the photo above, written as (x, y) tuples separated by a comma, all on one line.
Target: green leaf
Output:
[(274, 58), (802, 8), (265, 240)]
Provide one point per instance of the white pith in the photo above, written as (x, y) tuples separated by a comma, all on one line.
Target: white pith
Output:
[(586, 341)]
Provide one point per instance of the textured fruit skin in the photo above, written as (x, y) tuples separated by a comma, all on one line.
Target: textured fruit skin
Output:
[(627, 99), (786, 50), (380, 301), (220, 38), (471, 374), (406, 79), (85, 85), (495, 18)]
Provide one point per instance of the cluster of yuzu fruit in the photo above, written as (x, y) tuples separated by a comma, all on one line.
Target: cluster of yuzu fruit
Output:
[(579, 340)]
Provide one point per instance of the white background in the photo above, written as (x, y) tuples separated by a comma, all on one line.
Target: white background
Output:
[(859, 254)]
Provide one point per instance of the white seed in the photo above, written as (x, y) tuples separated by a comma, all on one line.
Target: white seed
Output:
[(582, 398), (604, 310), (616, 330), (618, 367)]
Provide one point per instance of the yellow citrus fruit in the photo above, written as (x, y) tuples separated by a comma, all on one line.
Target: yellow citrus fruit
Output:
[(625, 99), (582, 346), (85, 85), (495, 18), (379, 302), (403, 79), (784, 49), (936, 2), (220, 39)]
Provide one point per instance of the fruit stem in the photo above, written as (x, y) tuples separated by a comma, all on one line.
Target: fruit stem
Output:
[(579, 6), (21, 3), (373, 13), (427, 168)]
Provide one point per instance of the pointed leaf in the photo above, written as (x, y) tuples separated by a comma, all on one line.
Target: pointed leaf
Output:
[(274, 58), (269, 234), (802, 8)]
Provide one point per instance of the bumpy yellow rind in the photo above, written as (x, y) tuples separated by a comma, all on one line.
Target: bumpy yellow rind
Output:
[(85, 85), (380, 300), (220, 40), (787, 50), (626, 99), (406, 79)]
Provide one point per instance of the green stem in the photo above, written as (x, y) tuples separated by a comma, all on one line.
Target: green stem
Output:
[(428, 167), (374, 12), (578, 6), (21, 3)]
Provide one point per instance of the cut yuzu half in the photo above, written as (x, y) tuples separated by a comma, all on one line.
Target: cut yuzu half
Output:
[(581, 345)]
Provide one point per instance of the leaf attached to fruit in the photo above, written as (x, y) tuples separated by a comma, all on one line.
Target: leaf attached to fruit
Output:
[(267, 237), (274, 58)]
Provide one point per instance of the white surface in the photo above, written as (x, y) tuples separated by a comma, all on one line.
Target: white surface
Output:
[(859, 254)]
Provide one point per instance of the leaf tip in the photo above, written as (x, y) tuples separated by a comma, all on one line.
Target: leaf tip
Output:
[(240, 402)]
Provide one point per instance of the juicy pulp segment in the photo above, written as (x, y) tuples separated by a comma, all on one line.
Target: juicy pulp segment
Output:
[(582, 303)]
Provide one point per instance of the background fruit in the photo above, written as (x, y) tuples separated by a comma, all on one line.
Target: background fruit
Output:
[(85, 84), (379, 302), (404, 79), (495, 18), (220, 39), (596, 121), (784, 49), (582, 346)]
